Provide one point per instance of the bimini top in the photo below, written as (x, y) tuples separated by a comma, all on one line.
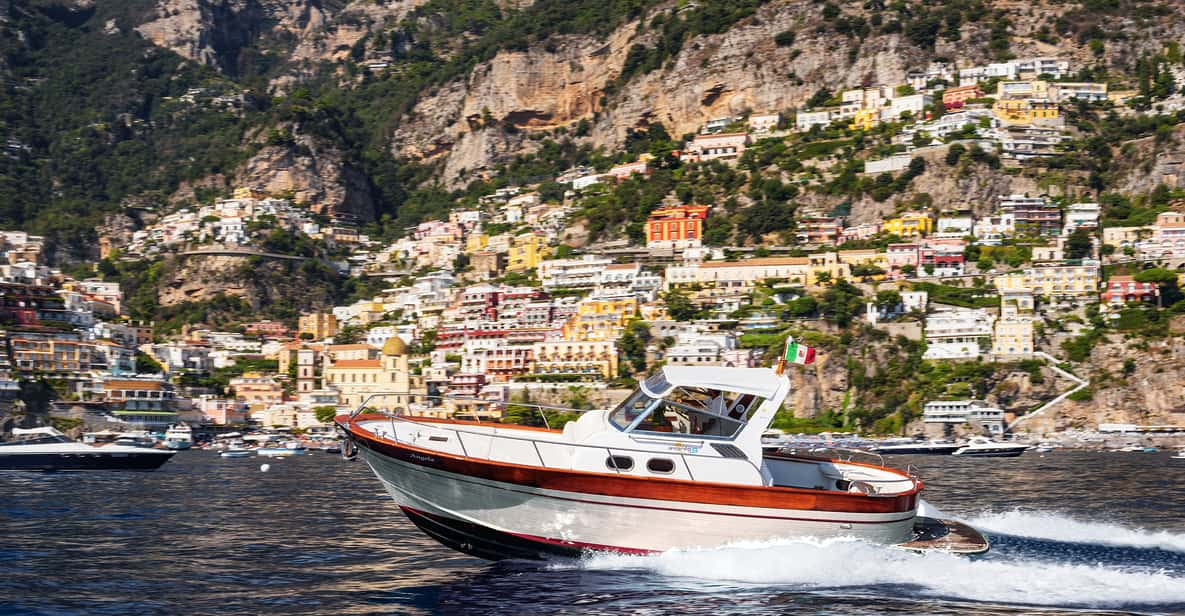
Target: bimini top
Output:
[(762, 382)]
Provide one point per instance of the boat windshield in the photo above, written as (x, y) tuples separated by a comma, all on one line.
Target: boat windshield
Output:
[(685, 410)]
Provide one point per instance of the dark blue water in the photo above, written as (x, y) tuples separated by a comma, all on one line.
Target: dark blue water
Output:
[(315, 535)]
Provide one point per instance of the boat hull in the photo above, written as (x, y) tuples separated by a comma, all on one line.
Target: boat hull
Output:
[(85, 461), (936, 450), (989, 453), (524, 518)]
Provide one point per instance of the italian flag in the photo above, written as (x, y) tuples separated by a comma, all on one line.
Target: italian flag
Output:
[(798, 353)]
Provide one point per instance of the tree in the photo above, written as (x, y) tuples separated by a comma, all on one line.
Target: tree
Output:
[(1079, 245), (841, 303), (679, 305), (147, 364), (954, 153), (888, 299), (325, 414)]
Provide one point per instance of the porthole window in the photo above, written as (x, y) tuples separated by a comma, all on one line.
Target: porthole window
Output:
[(661, 465), (619, 463)]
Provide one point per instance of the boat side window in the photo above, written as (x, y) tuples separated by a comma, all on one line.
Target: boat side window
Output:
[(665, 466), (37, 440), (620, 463)]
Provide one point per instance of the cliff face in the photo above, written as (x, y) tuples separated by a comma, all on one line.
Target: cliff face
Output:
[(314, 174), (1150, 395)]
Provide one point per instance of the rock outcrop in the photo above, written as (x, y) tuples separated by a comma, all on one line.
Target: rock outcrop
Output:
[(312, 174)]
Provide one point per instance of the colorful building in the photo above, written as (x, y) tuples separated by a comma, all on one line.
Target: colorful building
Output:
[(910, 224), (526, 252), (317, 325), (676, 226)]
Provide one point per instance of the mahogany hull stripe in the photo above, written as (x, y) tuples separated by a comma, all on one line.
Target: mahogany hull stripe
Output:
[(637, 487)]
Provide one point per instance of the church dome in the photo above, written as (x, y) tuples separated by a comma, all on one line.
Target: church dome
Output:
[(395, 346)]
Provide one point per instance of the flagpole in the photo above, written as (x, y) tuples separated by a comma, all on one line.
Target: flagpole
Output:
[(782, 360)]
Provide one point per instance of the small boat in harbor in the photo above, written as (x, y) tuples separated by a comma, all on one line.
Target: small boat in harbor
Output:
[(289, 448), (179, 437), (678, 464), (47, 449), (1180, 455), (237, 452), (986, 448)]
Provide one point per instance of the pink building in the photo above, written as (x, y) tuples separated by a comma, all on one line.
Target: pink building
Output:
[(859, 232), (900, 255), (222, 412)]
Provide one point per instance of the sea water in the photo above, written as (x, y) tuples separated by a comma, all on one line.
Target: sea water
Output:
[(208, 535)]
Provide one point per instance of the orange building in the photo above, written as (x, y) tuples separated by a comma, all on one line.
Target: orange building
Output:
[(676, 226), (953, 98)]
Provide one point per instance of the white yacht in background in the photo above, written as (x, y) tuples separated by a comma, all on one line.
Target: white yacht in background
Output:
[(1180, 455), (178, 437), (986, 448), (46, 449)]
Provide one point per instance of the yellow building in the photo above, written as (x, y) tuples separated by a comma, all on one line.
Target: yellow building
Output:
[(359, 379), (594, 359), (1025, 111), (317, 325), (1055, 281), (910, 224), (865, 119), (600, 319), (476, 242), (258, 390), (526, 252)]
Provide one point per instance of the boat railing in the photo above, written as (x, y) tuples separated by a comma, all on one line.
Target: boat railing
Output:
[(611, 451)]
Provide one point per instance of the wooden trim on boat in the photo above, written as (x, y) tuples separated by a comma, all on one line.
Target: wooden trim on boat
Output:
[(629, 486)]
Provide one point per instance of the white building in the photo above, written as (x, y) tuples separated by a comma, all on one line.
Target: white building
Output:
[(896, 162), (954, 227), (959, 333), (958, 412), (580, 273), (804, 120), (1081, 215)]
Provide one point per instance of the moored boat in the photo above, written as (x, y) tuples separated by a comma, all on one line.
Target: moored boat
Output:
[(678, 464), (179, 437), (925, 448), (237, 452), (47, 449), (986, 448), (289, 448)]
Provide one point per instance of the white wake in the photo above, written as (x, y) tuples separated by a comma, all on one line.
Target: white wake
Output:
[(1058, 527), (849, 564)]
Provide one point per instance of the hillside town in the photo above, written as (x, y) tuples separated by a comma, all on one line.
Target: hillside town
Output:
[(496, 303)]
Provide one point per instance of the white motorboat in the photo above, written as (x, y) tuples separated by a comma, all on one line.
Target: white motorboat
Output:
[(678, 464), (179, 436), (289, 448), (47, 449), (1180, 455), (925, 448), (986, 448), (237, 452)]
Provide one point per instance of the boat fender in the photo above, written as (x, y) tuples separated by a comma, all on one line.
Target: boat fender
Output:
[(349, 448), (861, 487)]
